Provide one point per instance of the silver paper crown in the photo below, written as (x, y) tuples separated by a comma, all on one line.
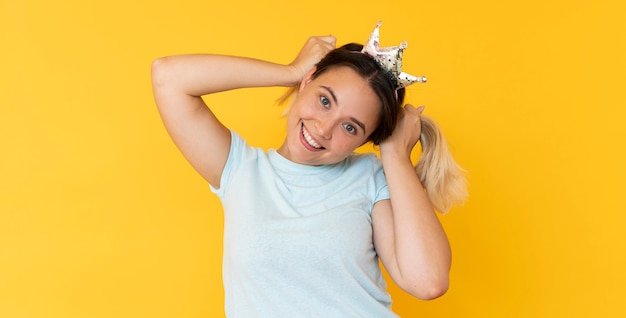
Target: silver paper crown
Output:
[(390, 59)]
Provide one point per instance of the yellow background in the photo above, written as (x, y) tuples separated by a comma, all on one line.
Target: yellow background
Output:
[(100, 216)]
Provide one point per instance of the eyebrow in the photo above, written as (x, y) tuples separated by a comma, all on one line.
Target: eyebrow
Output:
[(332, 94)]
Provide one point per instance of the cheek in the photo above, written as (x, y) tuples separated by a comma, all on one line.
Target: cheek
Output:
[(346, 143), (297, 112), (307, 103), (308, 108)]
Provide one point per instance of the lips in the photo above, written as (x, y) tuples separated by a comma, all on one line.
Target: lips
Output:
[(308, 140)]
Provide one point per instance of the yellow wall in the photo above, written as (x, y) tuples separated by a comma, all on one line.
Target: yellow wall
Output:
[(100, 216)]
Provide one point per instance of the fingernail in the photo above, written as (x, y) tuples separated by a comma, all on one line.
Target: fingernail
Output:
[(420, 109)]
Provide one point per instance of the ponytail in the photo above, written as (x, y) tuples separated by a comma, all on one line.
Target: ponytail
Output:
[(442, 177)]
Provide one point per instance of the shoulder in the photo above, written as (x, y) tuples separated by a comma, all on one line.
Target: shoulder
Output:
[(365, 166), (241, 156), (240, 147), (367, 171), (364, 160)]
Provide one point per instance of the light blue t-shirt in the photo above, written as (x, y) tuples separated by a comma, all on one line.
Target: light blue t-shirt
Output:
[(298, 239)]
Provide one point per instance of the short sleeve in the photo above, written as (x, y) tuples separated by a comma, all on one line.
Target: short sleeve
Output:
[(380, 181), (237, 148)]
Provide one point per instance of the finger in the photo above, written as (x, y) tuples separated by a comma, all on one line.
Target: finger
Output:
[(329, 39), (410, 109)]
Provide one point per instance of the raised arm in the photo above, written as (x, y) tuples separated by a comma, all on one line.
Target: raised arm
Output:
[(408, 237), (180, 81)]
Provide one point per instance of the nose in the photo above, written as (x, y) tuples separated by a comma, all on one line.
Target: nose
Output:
[(324, 128)]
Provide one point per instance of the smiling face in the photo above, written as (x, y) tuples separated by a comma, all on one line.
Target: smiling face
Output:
[(333, 115)]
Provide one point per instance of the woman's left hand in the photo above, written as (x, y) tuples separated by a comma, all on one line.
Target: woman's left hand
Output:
[(406, 134), (408, 236)]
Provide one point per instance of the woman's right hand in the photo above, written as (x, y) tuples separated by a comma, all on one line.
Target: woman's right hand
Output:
[(179, 82), (315, 48)]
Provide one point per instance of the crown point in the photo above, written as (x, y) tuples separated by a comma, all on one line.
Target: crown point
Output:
[(390, 59)]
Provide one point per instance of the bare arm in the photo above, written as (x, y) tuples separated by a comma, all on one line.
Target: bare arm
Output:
[(409, 239), (180, 81)]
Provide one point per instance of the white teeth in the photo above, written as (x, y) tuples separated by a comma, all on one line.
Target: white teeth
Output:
[(309, 139)]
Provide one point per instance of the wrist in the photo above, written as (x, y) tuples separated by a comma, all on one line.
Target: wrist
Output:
[(294, 74), (394, 155)]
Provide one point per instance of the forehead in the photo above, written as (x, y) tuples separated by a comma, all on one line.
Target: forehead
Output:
[(353, 93), (346, 82)]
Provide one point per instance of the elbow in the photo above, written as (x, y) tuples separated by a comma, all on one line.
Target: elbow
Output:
[(157, 71), (158, 77), (433, 292), (163, 77), (428, 289)]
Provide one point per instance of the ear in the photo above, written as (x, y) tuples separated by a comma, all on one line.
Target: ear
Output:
[(307, 78)]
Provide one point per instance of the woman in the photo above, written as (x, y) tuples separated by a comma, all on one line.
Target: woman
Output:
[(306, 224)]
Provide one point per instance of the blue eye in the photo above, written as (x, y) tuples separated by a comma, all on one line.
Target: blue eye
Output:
[(325, 101), (350, 129)]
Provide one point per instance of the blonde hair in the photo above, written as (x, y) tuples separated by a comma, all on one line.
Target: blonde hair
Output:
[(287, 99), (443, 179)]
